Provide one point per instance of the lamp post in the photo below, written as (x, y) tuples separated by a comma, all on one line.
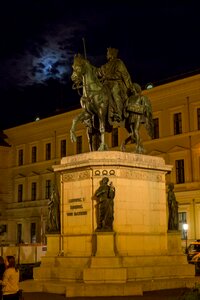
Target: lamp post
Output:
[(185, 228)]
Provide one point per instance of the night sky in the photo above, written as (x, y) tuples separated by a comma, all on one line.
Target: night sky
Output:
[(157, 40)]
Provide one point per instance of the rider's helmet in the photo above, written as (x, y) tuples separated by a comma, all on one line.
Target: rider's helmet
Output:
[(137, 88), (112, 53)]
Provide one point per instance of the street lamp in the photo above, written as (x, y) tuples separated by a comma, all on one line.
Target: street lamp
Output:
[(185, 228)]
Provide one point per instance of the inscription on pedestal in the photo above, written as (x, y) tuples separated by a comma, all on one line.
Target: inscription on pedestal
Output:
[(75, 208)]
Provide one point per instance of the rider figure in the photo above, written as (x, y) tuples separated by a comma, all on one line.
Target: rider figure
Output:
[(115, 75)]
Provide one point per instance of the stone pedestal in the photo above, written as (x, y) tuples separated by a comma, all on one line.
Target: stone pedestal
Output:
[(174, 242), (140, 223), (139, 255), (105, 266), (105, 244), (54, 244)]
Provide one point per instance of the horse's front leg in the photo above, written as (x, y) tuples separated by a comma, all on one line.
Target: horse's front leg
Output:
[(72, 131), (103, 146), (89, 137), (75, 121)]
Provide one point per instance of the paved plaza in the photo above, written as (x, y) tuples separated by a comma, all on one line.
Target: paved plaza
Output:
[(172, 294)]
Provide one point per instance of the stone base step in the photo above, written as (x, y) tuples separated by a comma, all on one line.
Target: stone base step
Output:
[(71, 289), (105, 275)]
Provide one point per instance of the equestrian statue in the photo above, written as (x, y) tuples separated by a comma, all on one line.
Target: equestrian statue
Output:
[(109, 97)]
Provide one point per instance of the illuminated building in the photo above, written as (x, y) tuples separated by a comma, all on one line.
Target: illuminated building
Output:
[(29, 151)]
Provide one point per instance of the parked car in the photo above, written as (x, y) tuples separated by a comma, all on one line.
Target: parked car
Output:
[(192, 250), (196, 261)]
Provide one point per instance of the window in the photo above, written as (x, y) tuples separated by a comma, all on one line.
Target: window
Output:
[(198, 118), (177, 123), (48, 151), (33, 233), (20, 193), (63, 151), (115, 137), (180, 176), (20, 157), (182, 219), (19, 233), (34, 154), (156, 128), (3, 229), (48, 189), (79, 144), (33, 191)]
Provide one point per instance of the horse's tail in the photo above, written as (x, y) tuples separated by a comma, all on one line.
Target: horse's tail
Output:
[(149, 125)]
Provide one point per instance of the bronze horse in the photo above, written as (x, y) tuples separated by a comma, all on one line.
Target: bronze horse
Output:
[(94, 101), (95, 114)]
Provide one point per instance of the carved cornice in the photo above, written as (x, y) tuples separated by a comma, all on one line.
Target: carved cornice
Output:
[(76, 176)]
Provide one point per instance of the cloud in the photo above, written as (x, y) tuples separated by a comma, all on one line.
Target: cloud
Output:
[(49, 56)]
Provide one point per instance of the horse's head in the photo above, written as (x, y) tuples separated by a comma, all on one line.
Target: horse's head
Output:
[(78, 69)]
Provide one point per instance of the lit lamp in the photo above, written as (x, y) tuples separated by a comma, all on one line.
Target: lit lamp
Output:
[(149, 86), (185, 228)]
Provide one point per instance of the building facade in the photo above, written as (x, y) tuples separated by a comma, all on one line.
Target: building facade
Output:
[(29, 151)]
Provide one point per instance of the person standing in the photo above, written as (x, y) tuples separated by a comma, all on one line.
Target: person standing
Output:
[(10, 282), (2, 270)]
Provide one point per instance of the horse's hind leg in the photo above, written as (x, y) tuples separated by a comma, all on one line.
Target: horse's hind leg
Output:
[(123, 145), (139, 147), (131, 138)]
